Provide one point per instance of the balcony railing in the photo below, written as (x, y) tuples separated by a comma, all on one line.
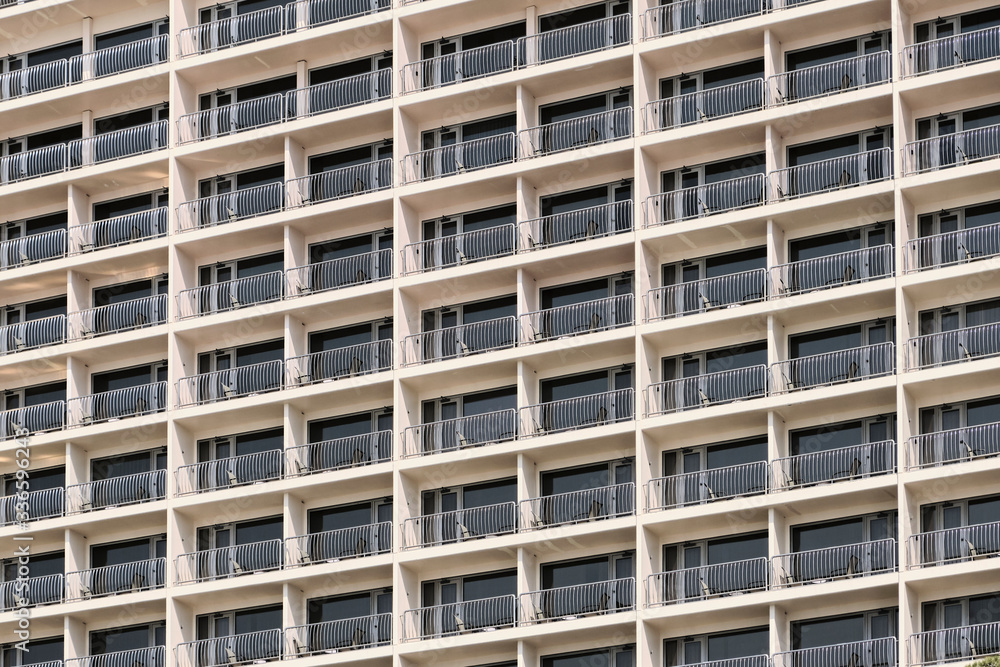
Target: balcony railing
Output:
[(954, 545), (611, 312), (33, 163), (702, 391), (459, 249), (142, 487), (145, 399), (704, 200), (451, 435), (843, 268), (336, 636), (471, 523), (228, 32), (36, 591), (609, 407), (154, 656), (231, 118), (571, 602), (465, 65), (37, 79), (212, 564), (459, 158), (966, 245), (334, 545), (572, 226), (230, 207), (575, 40), (229, 472), (248, 380), (32, 419), (832, 174), (339, 183), (699, 296), (138, 313), (954, 445), (27, 250), (866, 653), (961, 644), (830, 368), (343, 362), (120, 230), (951, 150), (304, 14), (118, 144), (32, 334), (687, 15), (950, 347), (460, 341), (339, 453), (581, 132), (560, 509), (132, 577), (949, 52), (835, 465), (706, 486), (368, 267), (459, 617), (230, 294), (844, 562), (350, 91), (705, 105), (243, 649), (830, 78), (42, 504), (706, 582)]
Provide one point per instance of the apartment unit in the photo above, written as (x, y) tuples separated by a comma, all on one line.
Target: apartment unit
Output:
[(603, 333)]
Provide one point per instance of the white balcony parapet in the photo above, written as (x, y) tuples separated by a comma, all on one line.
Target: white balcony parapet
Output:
[(343, 362), (843, 268), (951, 347), (959, 247), (448, 435), (230, 472), (230, 294), (224, 562), (831, 175), (704, 105), (830, 368), (842, 562), (37, 505), (565, 135), (339, 183), (334, 636), (120, 230), (339, 453), (457, 618), (865, 653), (701, 391), (15, 253), (237, 382), (700, 296), (242, 649), (560, 509), (460, 341), (946, 53), (707, 582), (362, 269), (145, 399), (461, 525), (611, 312), (32, 334), (153, 656), (575, 40), (147, 311), (34, 592), (339, 94), (834, 465), (334, 545), (142, 575), (609, 407), (703, 200), (140, 487), (572, 226), (466, 65), (572, 602), (230, 207), (951, 150), (459, 158), (830, 78), (459, 249), (32, 419), (706, 486), (953, 446), (954, 545), (965, 643), (232, 118)]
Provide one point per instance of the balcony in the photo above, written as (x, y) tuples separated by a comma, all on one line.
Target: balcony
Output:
[(954, 446), (572, 226), (32, 334), (460, 341), (951, 150), (33, 592), (830, 78), (340, 453), (145, 399), (230, 295), (572, 602), (959, 644), (844, 268), (584, 131), (832, 368), (831, 175), (33, 164), (955, 545), (459, 158), (225, 562), (336, 636), (230, 207), (454, 68), (835, 465), (613, 312), (686, 15), (459, 249), (951, 248), (704, 200), (457, 618), (229, 472), (120, 230), (138, 313), (232, 118), (866, 653), (368, 267), (843, 562), (343, 362), (947, 53), (449, 435), (243, 649), (705, 486), (340, 183), (575, 40), (132, 489), (563, 509), (702, 391), (26, 250), (707, 582), (133, 577), (951, 347), (609, 407), (85, 67), (154, 656), (334, 545), (705, 105), (700, 296), (343, 93), (460, 525), (32, 419)]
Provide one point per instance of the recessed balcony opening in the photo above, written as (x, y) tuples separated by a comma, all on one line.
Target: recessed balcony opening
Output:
[(838, 355), (573, 32), (958, 236), (343, 262), (461, 330), (581, 400), (708, 189), (38, 239), (233, 549), (834, 164), (459, 149), (956, 531), (711, 377), (42, 585), (691, 286), (122, 135), (734, 648), (237, 109), (580, 494), (27, 326), (128, 392), (344, 352), (956, 432), (458, 605), (122, 307), (956, 630), (579, 215), (140, 645), (38, 154), (955, 334), (843, 451), (617, 656), (709, 569), (474, 55), (704, 474), (233, 284), (35, 409), (234, 637), (835, 259), (342, 442), (463, 513), (234, 460), (953, 41), (861, 639), (465, 238), (344, 622), (452, 423), (119, 480), (848, 548), (670, 18), (592, 586), (354, 530), (573, 309), (698, 97), (954, 139), (45, 652), (343, 173), (223, 374), (579, 123), (343, 85), (40, 70), (128, 566), (122, 221), (235, 196), (837, 67)]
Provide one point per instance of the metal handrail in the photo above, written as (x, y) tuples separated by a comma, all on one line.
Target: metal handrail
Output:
[(865, 653), (841, 562), (571, 226), (142, 575), (120, 230), (334, 545), (951, 150), (333, 636), (459, 341), (964, 643), (230, 207), (559, 509), (837, 367), (609, 407), (448, 435), (571, 602), (141, 487), (154, 656), (121, 58), (41, 247), (343, 362), (958, 247), (842, 268), (304, 14), (611, 312), (35, 506), (686, 15), (706, 486), (835, 465), (34, 163), (702, 391), (231, 561), (699, 296), (870, 69), (33, 592), (733, 194), (230, 294), (32, 419), (458, 249), (229, 32), (230, 472), (565, 135), (138, 313), (118, 144), (954, 545), (946, 53), (459, 158), (35, 79), (832, 174), (706, 582), (361, 269), (953, 446), (339, 183), (705, 105), (235, 382), (246, 648), (144, 399), (457, 618), (339, 453), (32, 334), (231, 118), (575, 40), (465, 65), (339, 94), (950, 347), (470, 523)]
